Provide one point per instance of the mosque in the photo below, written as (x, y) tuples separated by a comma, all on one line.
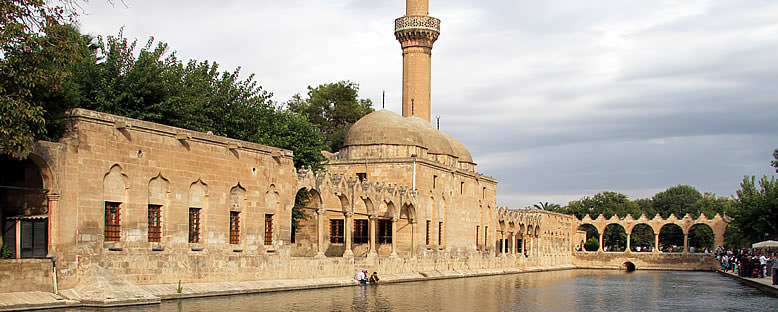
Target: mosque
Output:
[(119, 199)]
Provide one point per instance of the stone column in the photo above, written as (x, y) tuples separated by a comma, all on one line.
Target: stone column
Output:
[(371, 230), (394, 237), (656, 243), (686, 242), (524, 245), (502, 243), (52, 235), (601, 249), (347, 228), (512, 244), (628, 243), (412, 223), (320, 213)]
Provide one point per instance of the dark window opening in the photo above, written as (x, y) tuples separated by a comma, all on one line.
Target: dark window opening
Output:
[(113, 228), (362, 176), (194, 225), (360, 232), (440, 233), (427, 241), (155, 224), (486, 237), (336, 231), (234, 227), (461, 187), (268, 229), (434, 181), (384, 231), (519, 246)]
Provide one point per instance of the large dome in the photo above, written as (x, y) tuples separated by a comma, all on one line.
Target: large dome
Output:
[(382, 127), (386, 127)]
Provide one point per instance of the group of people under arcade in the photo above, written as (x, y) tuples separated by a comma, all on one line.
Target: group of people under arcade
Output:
[(748, 262)]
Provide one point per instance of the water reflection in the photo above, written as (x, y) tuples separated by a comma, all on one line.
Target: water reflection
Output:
[(574, 290)]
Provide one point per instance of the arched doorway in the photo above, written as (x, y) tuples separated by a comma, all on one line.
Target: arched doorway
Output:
[(305, 222), (671, 238), (642, 238), (700, 238), (405, 231), (592, 240), (24, 209), (614, 238)]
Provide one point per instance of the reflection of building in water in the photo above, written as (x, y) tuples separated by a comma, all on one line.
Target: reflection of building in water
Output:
[(130, 200)]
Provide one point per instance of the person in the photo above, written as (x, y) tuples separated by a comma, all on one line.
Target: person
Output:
[(361, 277), (374, 278), (763, 265)]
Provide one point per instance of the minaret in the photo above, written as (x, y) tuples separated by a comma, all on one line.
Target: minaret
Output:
[(416, 31)]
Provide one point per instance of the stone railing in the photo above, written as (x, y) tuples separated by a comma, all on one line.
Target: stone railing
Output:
[(417, 22)]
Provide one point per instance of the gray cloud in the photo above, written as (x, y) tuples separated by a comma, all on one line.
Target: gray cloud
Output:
[(556, 99)]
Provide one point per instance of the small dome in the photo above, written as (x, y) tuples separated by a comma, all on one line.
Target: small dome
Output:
[(434, 140), (383, 127), (459, 149)]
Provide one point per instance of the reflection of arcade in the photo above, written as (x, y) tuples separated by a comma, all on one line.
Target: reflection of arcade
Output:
[(23, 210)]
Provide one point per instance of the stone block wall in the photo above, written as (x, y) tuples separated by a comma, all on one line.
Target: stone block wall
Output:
[(26, 275)]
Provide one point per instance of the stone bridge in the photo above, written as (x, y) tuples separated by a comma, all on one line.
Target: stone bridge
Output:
[(718, 224)]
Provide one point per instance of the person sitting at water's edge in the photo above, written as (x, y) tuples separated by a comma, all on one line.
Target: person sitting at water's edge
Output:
[(361, 276), (374, 278)]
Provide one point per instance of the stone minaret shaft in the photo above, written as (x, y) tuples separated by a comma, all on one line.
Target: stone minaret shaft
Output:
[(416, 31)]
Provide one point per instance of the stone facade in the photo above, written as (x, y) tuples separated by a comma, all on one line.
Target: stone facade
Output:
[(119, 201)]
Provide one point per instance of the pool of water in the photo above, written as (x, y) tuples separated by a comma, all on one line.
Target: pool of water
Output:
[(572, 290)]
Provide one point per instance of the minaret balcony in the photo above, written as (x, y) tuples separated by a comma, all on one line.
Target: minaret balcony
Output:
[(417, 22)]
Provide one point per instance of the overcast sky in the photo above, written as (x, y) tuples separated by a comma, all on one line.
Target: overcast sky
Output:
[(556, 99)]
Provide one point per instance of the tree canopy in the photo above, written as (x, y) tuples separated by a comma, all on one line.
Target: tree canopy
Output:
[(114, 75), (333, 108), (34, 47)]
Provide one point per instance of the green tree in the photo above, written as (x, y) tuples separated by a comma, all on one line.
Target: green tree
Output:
[(592, 244), (678, 200), (774, 162), (33, 51), (333, 108), (605, 203), (756, 209)]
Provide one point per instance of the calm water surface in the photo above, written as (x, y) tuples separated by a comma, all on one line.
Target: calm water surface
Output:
[(574, 290)]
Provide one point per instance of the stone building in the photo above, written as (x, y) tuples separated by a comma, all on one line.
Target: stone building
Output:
[(142, 203)]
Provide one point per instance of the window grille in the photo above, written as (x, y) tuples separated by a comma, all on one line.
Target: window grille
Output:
[(113, 228), (155, 224), (440, 233), (234, 227), (384, 231), (194, 225), (268, 229), (360, 232), (336, 231), (427, 240)]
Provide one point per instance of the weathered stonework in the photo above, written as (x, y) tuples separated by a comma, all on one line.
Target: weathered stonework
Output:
[(129, 202)]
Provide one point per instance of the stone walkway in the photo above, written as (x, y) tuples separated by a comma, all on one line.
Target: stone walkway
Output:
[(764, 284), (33, 300)]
